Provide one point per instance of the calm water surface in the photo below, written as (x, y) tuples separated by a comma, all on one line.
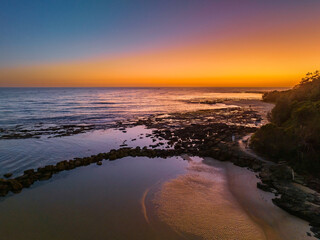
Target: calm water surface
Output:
[(36, 108), (32, 106), (93, 202), (143, 198), (131, 198)]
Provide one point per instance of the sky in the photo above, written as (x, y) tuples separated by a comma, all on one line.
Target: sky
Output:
[(149, 43)]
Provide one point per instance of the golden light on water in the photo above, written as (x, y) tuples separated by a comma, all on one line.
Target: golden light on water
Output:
[(200, 205)]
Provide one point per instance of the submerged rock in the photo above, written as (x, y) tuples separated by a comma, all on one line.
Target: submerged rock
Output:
[(7, 175), (45, 176), (4, 187), (15, 186)]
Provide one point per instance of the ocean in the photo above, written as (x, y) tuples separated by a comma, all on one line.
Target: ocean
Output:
[(30, 107), (25, 109), (178, 197)]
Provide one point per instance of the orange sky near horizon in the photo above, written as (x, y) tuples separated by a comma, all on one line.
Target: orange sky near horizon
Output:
[(247, 56), (242, 64)]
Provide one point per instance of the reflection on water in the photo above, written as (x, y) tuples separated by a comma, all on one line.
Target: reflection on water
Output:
[(200, 203), (17, 155), (143, 198), (131, 198), (93, 202), (36, 106), (220, 201)]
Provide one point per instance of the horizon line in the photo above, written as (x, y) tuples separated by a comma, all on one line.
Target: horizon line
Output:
[(146, 86)]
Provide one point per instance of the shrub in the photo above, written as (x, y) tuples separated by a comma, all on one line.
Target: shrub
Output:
[(294, 132)]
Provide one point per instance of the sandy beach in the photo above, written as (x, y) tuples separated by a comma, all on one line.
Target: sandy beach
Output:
[(218, 200), (202, 198), (159, 120)]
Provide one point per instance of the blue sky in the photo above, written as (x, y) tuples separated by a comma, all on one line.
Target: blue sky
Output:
[(44, 30)]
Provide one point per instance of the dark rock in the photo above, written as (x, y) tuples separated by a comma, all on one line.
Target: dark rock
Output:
[(4, 187), (26, 180), (14, 185), (256, 167), (299, 208), (48, 168), (281, 172), (77, 163), (264, 187), (29, 172), (99, 163), (45, 176), (60, 166), (316, 230), (3, 192), (7, 175)]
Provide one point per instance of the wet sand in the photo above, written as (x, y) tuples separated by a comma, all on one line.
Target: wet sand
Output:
[(216, 200), (275, 222), (221, 201)]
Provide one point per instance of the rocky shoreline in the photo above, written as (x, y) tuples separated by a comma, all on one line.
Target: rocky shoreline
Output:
[(205, 133), (30, 176), (201, 133), (236, 115), (295, 197)]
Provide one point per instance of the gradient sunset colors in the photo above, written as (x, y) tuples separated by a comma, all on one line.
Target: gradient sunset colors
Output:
[(158, 43)]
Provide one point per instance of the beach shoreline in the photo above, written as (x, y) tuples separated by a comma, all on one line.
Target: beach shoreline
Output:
[(194, 201), (275, 222), (204, 133)]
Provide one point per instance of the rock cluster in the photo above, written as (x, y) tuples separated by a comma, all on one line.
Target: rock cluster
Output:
[(30, 176), (278, 178), (196, 133), (236, 115), (57, 131), (205, 133)]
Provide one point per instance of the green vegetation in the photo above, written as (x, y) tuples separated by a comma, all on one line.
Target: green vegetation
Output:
[(294, 132)]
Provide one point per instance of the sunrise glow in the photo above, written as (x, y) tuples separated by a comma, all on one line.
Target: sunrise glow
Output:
[(250, 44)]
